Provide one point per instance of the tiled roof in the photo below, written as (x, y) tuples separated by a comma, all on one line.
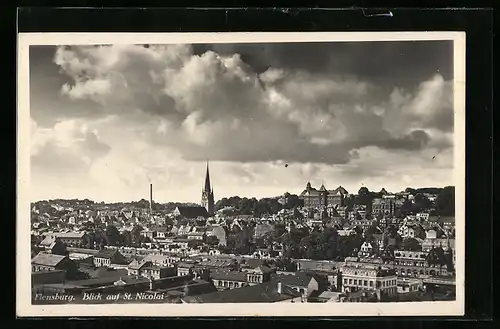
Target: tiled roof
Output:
[(136, 265), (106, 253), (70, 235), (261, 293), (156, 258), (193, 212), (228, 275), (47, 259), (298, 279)]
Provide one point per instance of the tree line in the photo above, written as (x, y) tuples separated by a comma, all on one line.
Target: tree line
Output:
[(236, 205)]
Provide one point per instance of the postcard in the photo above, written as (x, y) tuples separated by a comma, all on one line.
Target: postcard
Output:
[(260, 174)]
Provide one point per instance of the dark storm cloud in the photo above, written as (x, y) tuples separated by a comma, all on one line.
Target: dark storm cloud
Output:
[(399, 63)]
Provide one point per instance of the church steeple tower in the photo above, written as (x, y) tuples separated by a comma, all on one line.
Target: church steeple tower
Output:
[(207, 195)]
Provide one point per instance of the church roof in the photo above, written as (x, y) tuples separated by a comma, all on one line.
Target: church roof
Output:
[(193, 211)]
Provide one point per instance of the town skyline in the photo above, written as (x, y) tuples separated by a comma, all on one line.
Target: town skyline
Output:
[(108, 120), (195, 200)]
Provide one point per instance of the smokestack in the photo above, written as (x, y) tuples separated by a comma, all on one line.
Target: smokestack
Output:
[(150, 198)]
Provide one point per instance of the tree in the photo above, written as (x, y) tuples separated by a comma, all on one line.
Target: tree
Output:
[(126, 238), (212, 241), (445, 202), (422, 202), (411, 244), (365, 198), (293, 201), (194, 244), (59, 248), (297, 214), (136, 234), (112, 235), (371, 230)]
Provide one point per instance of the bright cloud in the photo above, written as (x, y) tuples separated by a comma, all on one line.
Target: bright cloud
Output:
[(164, 110)]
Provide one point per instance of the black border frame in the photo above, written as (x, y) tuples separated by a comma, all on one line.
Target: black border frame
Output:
[(478, 25)]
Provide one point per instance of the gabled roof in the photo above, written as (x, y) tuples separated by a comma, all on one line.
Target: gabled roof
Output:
[(47, 259), (136, 265), (228, 275), (193, 211), (298, 279), (106, 253)]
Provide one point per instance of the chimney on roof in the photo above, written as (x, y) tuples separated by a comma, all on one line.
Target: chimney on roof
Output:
[(279, 288)]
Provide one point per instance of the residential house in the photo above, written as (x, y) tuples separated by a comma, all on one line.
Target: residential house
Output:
[(302, 282), (161, 233), (422, 217), (148, 270), (197, 236), (366, 249), (411, 231), (107, 257), (148, 233), (50, 262), (159, 259)]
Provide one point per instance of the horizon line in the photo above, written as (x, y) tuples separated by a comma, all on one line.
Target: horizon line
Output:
[(198, 202)]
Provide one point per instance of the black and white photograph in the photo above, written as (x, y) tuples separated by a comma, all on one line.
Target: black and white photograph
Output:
[(321, 171)]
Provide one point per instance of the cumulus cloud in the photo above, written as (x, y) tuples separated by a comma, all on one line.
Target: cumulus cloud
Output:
[(216, 106), (127, 115), (70, 146)]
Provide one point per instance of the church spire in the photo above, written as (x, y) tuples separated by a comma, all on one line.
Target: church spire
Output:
[(207, 195), (208, 187)]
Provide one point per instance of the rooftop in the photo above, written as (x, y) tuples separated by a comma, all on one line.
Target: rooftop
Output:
[(47, 259), (261, 293)]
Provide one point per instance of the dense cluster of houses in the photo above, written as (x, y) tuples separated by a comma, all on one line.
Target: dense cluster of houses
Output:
[(180, 255)]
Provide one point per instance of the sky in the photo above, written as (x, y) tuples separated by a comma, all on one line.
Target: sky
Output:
[(106, 121)]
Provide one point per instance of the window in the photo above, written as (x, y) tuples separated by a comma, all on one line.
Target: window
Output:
[(350, 281), (371, 283), (345, 281), (355, 282), (365, 283)]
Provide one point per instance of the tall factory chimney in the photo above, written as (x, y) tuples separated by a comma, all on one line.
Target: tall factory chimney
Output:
[(150, 199)]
